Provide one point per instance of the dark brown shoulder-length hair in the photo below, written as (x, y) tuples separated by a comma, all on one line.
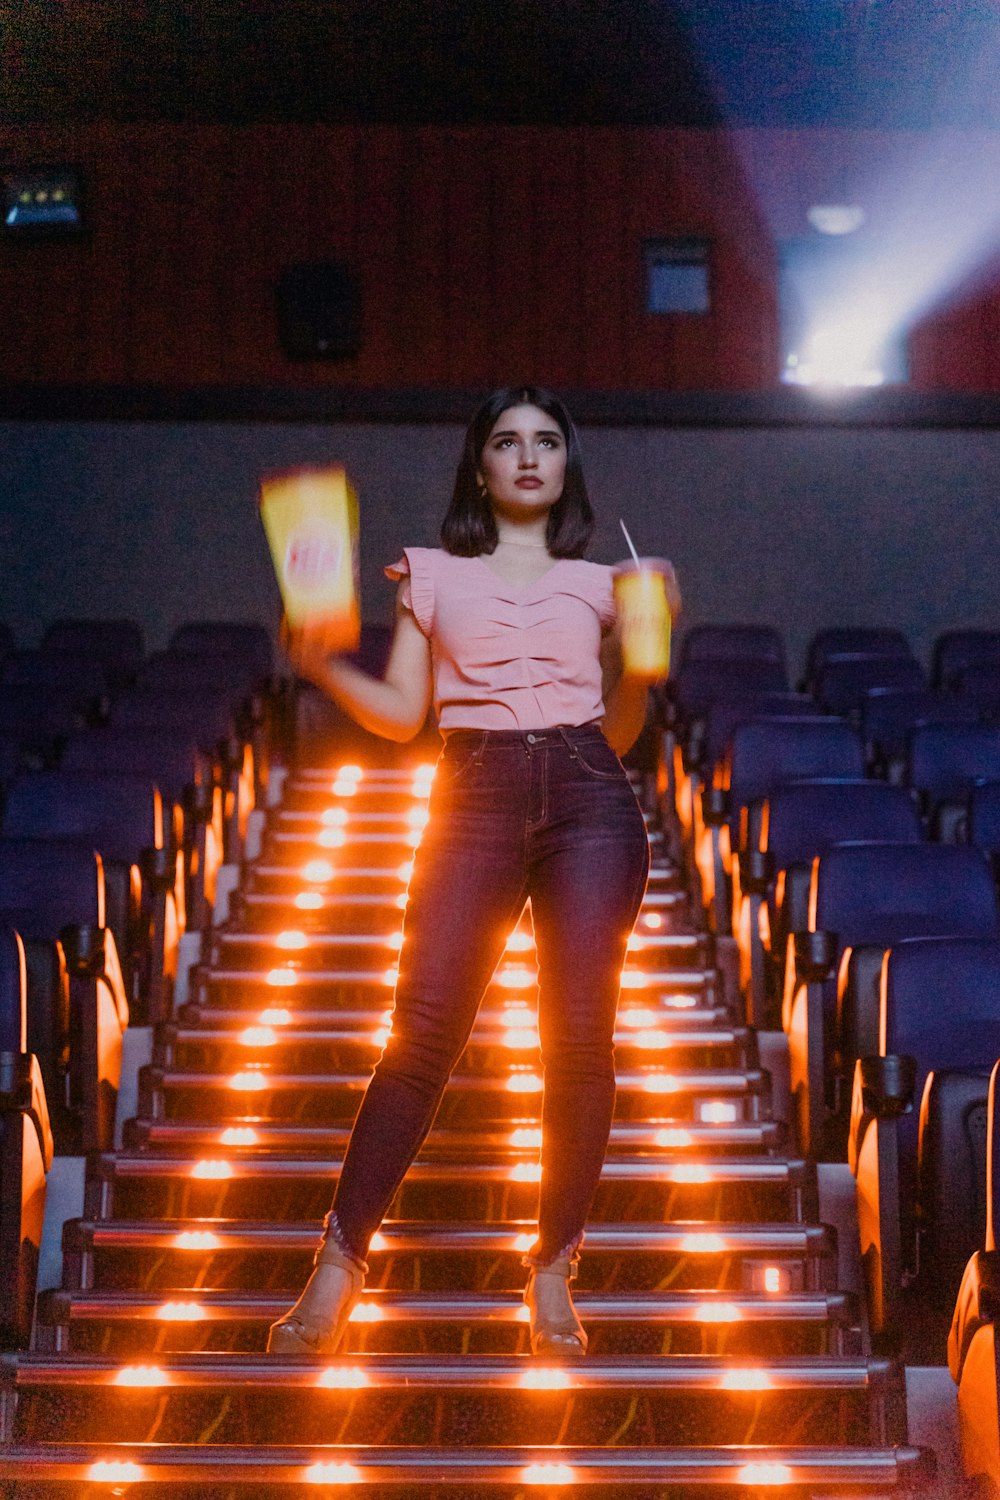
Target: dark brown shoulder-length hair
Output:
[(469, 527)]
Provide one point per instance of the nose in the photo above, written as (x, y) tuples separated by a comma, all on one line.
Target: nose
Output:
[(528, 459)]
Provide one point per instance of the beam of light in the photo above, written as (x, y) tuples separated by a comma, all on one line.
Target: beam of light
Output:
[(239, 1135), (275, 1016), (548, 1474), (317, 871), (545, 1379), (716, 1312), (257, 1036), (291, 941), (115, 1471), (765, 1474), (180, 1312), (309, 901), (334, 817), (141, 1377), (746, 1380), (321, 1473), (674, 1138), (703, 1244), (342, 1378), (366, 1312), (717, 1112), (196, 1239), (524, 1083), (209, 1170)]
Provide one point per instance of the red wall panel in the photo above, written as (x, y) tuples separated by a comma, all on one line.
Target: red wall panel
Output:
[(485, 254)]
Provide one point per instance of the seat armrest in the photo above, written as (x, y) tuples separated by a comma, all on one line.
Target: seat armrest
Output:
[(714, 806), (883, 1090), (815, 956), (22, 1090), (756, 871), (977, 1304)]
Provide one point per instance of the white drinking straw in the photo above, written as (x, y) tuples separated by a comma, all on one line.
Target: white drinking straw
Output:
[(631, 544)]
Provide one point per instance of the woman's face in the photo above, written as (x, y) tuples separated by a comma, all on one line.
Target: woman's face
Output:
[(523, 462)]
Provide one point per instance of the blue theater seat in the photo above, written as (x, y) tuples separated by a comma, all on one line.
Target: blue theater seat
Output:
[(890, 715), (207, 716), (698, 683), (69, 671), (973, 1346), (800, 821), (39, 722), (26, 1150), (116, 644), (957, 650), (844, 681), (982, 686), (53, 891), (249, 641), (863, 899), (762, 755), (729, 642), (852, 640), (939, 1010), (121, 816), (944, 763)]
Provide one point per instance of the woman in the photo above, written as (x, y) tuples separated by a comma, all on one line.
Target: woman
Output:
[(513, 632)]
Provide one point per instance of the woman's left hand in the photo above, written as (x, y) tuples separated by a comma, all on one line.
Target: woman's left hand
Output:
[(306, 652), (666, 569)]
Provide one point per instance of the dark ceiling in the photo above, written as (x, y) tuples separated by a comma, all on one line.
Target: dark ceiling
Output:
[(890, 63)]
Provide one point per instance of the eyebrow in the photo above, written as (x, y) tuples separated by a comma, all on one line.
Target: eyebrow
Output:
[(542, 432)]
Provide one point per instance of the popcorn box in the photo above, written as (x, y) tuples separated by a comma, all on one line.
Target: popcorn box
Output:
[(311, 520)]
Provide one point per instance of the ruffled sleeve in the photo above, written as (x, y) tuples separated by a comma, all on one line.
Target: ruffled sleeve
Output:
[(418, 591)]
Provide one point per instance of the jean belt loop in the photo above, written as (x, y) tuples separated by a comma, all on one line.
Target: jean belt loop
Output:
[(477, 759), (568, 742)]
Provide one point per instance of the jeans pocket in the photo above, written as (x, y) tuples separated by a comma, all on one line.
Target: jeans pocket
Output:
[(599, 760), (454, 763)]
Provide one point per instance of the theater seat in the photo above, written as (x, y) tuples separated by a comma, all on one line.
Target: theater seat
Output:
[(863, 899), (120, 816), (944, 763), (26, 1150), (890, 715), (939, 1009), (762, 755), (53, 891), (726, 642), (251, 642), (957, 650), (843, 682), (117, 644), (772, 879), (973, 1347), (852, 640)]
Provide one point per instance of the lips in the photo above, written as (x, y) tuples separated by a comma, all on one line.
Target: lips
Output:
[(529, 482)]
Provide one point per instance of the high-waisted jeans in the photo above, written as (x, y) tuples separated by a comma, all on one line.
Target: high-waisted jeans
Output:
[(548, 815)]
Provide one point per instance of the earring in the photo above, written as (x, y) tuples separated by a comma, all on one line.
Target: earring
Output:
[(483, 492)]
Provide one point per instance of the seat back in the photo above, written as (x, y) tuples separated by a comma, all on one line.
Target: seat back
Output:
[(951, 1175), (842, 682), (853, 640), (121, 814), (982, 686), (168, 757), (206, 716), (804, 818), (955, 650), (698, 683), (118, 641), (729, 642), (983, 817), (723, 715), (48, 884), (880, 893), (225, 673), (889, 715), (764, 754), (65, 671), (946, 760), (245, 639)]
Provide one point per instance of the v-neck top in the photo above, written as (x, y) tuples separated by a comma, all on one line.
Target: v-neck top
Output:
[(505, 655)]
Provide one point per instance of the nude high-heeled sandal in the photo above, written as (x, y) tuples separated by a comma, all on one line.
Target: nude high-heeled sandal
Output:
[(555, 1329), (316, 1324)]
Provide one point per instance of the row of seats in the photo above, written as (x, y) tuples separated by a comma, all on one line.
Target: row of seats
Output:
[(128, 781), (844, 839)]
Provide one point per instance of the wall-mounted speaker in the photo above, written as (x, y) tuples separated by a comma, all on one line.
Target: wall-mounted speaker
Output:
[(319, 311)]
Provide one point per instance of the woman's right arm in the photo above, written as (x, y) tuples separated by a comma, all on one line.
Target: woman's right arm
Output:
[(394, 706)]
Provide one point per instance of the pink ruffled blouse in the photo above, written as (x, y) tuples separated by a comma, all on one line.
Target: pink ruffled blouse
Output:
[(506, 656)]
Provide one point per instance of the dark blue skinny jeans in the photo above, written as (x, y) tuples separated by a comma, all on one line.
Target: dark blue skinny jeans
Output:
[(548, 815)]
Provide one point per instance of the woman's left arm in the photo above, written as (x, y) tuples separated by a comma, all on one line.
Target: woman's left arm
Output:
[(625, 698)]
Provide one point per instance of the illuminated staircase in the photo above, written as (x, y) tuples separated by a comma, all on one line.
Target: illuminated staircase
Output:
[(723, 1356)]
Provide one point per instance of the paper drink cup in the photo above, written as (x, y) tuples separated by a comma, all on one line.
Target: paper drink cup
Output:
[(644, 618), (311, 520)]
